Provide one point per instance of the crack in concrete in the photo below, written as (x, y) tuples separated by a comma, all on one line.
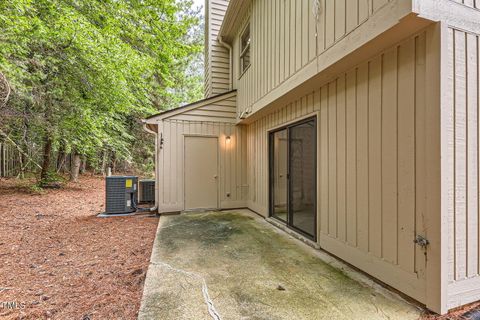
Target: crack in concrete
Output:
[(206, 297)]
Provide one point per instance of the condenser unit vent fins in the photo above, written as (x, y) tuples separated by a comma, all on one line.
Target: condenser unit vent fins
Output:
[(121, 194), (147, 191)]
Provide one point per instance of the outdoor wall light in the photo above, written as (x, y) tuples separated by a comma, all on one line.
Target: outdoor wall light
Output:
[(227, 139)]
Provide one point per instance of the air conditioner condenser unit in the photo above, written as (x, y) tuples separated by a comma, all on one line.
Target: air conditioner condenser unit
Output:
[(121, 194), (147, 191)]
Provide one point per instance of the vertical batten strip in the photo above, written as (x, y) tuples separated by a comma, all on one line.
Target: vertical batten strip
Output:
[(460, 159), (472, 153), (341, 158), (478, 150), (375, 156), (420, 149), (324, 206), (389, 156), (406, 155), (362, 157), (449, 154), (351, 161), (332, 159)]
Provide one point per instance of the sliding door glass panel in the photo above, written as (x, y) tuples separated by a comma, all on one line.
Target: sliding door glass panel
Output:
[(302, 177), (278, 173)]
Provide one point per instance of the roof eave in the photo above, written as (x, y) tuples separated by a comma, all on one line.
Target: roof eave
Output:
[(153, 119), (233, 16)]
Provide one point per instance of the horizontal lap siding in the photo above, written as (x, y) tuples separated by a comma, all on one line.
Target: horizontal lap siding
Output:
[(220, 111), (287, 35), (462, 163), (370, 193), (207, 70), (217, 58)]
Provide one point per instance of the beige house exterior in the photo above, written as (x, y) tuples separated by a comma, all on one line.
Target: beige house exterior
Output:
[(353, 123)]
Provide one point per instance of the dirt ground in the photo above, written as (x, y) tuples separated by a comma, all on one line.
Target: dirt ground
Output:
[(59, 261)]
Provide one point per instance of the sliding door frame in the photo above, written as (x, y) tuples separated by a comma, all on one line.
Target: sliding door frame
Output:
[(271, 190)]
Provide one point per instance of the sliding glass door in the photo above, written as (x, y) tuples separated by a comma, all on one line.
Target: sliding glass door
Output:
[(293, 176), (278, 174), (302, 177)]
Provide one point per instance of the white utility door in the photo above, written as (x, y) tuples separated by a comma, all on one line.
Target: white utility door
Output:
[(201, 172)]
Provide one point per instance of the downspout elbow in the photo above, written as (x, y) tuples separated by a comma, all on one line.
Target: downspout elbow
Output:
[(145, 127)]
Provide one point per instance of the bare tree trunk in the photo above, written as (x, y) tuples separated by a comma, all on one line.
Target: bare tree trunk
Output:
[(61, 157), (25, 145), (48, 143), (75, 167), (2, 160), (21, 172), (114, 162), (104, 162), (83, 165), (68, 163), (47, 151)]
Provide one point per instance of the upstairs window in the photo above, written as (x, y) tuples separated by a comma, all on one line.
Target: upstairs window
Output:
[(245, 49)]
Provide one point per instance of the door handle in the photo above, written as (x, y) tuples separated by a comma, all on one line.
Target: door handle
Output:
[(215, 177)]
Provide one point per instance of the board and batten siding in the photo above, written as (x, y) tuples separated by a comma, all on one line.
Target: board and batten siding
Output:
[(215, 119), (371, 163), (288, 35), (217, 57), (461, 166)]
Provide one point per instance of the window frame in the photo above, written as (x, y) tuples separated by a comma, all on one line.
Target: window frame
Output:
[(245, 50)]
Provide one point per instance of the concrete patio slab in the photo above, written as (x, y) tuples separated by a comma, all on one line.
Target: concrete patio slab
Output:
[(235, 265)]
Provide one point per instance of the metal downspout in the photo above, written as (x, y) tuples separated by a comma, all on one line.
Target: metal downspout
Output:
[(155, 208), (230, 53)]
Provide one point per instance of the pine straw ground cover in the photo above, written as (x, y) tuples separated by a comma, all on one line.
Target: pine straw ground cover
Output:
[(59, 261)]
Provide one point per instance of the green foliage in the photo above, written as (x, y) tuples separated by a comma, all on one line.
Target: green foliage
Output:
[(51, 180), (35, 189), (83, 72)]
